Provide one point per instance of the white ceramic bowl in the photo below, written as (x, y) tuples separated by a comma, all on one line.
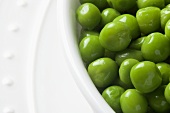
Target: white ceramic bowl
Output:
[(69, 33)]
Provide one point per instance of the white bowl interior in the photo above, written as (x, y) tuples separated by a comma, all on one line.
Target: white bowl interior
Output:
[(69, 32)]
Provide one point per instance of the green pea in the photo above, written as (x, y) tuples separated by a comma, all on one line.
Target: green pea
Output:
[(167, 29), (112, 97), (124, 71), (156, 47), (101, 4), (122, 5), (147, 3), (85, 33), (145, 76), (132, 101), (136, 44), (118, 82), (131, 22), (167, 2), (157, 101), (115, 36), (103, 72), (100, 89), (148, 19), (88, 16), (125, 45), (150, 110), (86, 1), (91, 49), (133, 10), (167, 60), (167, 93), (165, 16), (164, 68), (109, 54), (108, 15), (168, 6), (128, 53)]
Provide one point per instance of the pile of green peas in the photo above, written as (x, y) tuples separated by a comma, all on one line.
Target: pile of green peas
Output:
[(125, 46)]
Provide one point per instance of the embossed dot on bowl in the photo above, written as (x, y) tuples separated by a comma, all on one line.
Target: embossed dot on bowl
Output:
[(8, 55), (8, 110), (7, 82), (22, 3), (13, 28)]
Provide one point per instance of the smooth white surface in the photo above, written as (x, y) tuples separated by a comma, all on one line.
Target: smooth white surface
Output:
[(33, 71), (54, 78)]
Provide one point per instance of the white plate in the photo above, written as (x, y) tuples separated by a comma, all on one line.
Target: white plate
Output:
[(33, 72)]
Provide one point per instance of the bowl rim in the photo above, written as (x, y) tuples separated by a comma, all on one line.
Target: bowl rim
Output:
[(67, 22)]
